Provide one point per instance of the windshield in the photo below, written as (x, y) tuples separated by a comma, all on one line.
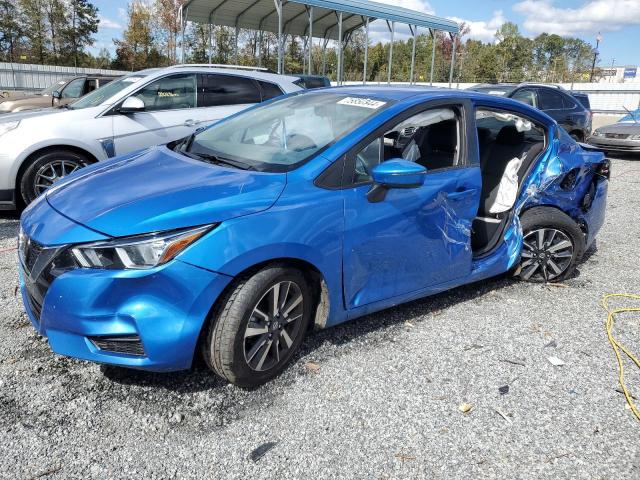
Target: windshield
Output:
[(101, 94), (49, 90), (631, 117), (281, 135)]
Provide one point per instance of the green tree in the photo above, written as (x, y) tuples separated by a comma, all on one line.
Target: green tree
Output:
[(10, 29), (35, 29), (82, 24)]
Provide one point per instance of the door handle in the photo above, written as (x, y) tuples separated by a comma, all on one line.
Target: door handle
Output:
[(191, 122), (462, 194)]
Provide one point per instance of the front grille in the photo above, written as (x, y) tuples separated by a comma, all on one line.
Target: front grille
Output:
[(125, 344), (620, 136), (37, 283)]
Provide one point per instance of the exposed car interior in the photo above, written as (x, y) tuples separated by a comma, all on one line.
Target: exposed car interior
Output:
[(430, 138), (508, 145)]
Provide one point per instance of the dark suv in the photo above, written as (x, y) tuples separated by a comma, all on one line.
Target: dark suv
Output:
[(555, 101), (60, 93)]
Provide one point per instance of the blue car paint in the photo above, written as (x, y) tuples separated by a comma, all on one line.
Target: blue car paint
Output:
[(266, 216)]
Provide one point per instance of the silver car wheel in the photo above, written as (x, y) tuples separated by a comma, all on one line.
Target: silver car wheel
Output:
[(546, 254), (274, 325), (52, 172)]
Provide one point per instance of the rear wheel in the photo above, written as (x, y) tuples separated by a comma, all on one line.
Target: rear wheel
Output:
[(260, 324), (552, 244), (46, 169)]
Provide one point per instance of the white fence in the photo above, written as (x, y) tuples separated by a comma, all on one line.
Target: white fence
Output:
[(29, 77)]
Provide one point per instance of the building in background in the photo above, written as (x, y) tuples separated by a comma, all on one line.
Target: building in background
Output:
[(627, 74)]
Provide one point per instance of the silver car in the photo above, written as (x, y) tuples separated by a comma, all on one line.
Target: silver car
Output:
[(139, 110), (621, 137)]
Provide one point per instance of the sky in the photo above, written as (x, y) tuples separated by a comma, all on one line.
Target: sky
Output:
[(618, 21)]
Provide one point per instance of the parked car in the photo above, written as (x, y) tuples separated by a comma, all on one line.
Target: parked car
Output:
[(566, 108), (309, 210), (137, 111), (60, 93), (621, 137), (313, 81)]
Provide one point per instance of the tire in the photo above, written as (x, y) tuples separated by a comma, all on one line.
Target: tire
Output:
[(556, 260), (60, 162), (236, 357)]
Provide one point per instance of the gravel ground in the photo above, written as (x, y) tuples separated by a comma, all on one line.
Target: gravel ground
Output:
[(376, 398)]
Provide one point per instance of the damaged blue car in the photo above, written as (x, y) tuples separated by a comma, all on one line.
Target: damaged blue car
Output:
[(307, 211)]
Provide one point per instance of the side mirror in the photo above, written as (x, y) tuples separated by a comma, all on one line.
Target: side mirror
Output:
[(396, 173), (56, 94), (131, 105)]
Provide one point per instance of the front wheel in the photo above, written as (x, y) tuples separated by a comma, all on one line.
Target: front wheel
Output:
[(552, 244), (46, 169), (259, 325)]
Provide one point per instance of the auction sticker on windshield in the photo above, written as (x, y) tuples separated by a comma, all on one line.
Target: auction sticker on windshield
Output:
[(362, 102)]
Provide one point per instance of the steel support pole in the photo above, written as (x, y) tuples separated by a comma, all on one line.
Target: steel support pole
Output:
[(339, 74), (390, 66), (453, 58), (433, 56), (235, 48), (414, 31), (210, 40), (260, 48), (183, 24), (366, 50), (324, 56), (280, 59), (310, 41)]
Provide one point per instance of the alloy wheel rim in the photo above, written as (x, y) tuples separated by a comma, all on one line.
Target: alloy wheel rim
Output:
[(273, 326), (546, 254), (52, 172)]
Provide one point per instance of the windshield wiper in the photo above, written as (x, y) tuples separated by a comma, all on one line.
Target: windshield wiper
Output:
[(632, 114), (216, 160)]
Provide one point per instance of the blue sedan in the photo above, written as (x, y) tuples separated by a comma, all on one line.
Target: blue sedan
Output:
[(303, 212)]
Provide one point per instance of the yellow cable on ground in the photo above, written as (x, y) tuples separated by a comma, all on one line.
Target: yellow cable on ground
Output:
[(618, 346)]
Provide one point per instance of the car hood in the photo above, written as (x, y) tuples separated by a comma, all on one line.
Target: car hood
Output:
[(158, 189), (38, 112), (627, 128)]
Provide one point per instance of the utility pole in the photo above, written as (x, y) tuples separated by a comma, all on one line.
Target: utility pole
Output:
[(595, 56)]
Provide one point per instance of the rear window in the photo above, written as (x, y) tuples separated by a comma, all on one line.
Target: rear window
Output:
[(217, 90), (584, 100), (269, 90), (550, 99)]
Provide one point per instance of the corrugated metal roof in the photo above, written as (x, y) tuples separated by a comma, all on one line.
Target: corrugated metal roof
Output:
[(262, 15)]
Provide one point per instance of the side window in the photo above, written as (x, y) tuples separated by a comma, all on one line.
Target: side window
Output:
[(74, 89), (568, 103), (218, 90), (430, 138), (269, 90), (549, 99), (92, 84), (527, 96), (169, 93)]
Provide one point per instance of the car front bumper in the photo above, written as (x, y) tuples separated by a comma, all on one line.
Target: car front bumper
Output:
[(163, 308), (615, 144)]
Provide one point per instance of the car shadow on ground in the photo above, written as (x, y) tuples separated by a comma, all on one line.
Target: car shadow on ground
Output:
[(384, 323)]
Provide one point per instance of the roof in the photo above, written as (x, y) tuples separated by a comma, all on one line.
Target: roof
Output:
[(203, 68), (262, 15)]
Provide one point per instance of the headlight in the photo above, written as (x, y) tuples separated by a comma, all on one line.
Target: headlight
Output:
[(8, 126), (140, 252), (635, 137), (597, 133)]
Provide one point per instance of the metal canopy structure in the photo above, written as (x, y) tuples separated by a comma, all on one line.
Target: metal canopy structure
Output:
[(324, 19)]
